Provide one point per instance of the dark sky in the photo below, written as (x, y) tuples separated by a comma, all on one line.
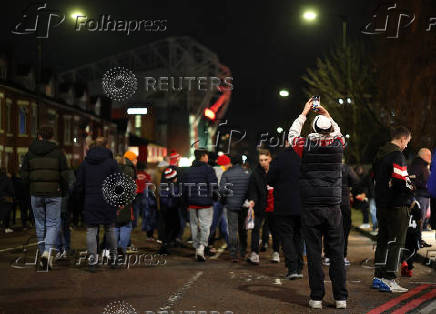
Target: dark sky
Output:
[(264, 43)]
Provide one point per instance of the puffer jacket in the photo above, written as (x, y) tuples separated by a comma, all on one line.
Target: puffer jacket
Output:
[(45, 168), (234, 187)]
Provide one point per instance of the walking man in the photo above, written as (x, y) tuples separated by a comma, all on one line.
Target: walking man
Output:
[(45, 169)]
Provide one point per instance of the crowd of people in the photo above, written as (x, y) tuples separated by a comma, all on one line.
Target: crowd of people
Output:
[(301, 199)]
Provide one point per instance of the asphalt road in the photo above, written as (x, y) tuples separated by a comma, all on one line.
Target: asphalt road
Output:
[(181, 285)]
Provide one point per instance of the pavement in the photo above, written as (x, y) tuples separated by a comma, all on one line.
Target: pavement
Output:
[(177, 284)]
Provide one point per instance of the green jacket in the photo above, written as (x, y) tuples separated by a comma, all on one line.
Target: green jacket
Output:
[(45, 169)]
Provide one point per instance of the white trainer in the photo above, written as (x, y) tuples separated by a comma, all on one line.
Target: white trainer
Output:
[(254, 258), (315, 304), (341, 304), (275, 257)]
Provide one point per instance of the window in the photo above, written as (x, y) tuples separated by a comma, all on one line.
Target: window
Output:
[(34, 121), (138, 121), (8, 116), (22, 120), (52, 118), (67, 130)]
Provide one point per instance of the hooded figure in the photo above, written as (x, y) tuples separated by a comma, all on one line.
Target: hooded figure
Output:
[(97, 166)]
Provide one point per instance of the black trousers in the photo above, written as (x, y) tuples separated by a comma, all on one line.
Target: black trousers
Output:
[(171, 225), (318, 223), (289, 230), (271, 228), (433, 213), (259, 217), (392, 224), (346, 224)]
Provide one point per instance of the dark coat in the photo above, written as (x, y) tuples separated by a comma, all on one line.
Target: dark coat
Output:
[(7, 193), (349, 180), (419, 173), (97, 166), (203, 194), (234, 187), (283, 175), (44, 168), (257, 191)]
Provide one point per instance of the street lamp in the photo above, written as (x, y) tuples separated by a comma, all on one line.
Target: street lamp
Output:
[(310, 15), (279, 129), (284, 93), (348, 100)]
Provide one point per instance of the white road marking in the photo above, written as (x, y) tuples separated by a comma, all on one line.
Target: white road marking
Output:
[(18, 247), (177, 296)]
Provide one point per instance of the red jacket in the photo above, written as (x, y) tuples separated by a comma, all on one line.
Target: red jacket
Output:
[(142, 178)]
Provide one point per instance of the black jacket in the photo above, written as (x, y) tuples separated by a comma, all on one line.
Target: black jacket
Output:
[(200, 184), (390, 173), (7, 193), (283, 175), (44, 168), (235, 179), (96, 167), (321, 174), (257, 191), (349, 180), (419, 174)]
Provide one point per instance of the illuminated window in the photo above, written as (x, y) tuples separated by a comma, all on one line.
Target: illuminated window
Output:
[(138, 120), (34, 121), (22, 120)]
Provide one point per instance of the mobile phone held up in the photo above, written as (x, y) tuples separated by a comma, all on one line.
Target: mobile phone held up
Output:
[(315, 103)]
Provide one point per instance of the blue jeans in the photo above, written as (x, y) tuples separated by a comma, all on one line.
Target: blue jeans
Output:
[(219, 219), (373, 213), (122, 234), (47, 212)]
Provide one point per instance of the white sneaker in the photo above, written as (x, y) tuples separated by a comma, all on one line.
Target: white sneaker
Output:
[(341, 304), (326, 261), (254, 258), (199, 254), (315, 304), (9, 230), (275, 257), (365, 226), (392, 286), (347, 262)]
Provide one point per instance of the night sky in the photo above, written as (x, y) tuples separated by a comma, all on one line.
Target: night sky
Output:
[(264, 43)]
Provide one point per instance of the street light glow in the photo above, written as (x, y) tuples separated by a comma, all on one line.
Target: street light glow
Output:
[(76, 14), (340, 101), (279, 129), (310, 15), (348, 100), (284, 93)]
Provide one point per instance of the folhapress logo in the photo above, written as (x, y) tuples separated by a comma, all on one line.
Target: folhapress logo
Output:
[(388, 20), (107, 23), (37, 20)]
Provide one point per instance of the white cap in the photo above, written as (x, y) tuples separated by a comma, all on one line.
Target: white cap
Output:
[(321, 122)]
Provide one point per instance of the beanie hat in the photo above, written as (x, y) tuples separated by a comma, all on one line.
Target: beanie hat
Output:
[(223, 160), (173, 157), (321, 124), (170, 173), (130, 155)]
